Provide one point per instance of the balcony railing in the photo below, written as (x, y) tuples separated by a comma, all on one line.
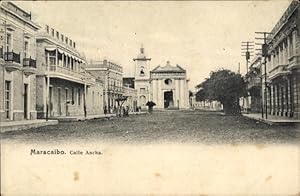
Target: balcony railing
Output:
[(278, 71), (12, 57), (294, 62), (254, 82), (1, 53), (66, 71), (29, 62)]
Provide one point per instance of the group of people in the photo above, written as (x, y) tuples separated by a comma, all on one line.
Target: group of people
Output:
[(119, 111)]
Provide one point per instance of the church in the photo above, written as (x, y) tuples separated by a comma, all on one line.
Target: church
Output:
[(166, 86)]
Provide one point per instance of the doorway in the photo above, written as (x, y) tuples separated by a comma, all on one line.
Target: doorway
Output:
[(168, 99), (25, 101)]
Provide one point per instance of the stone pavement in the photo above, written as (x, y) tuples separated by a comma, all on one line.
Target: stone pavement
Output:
[(272, 120), (25, 124)]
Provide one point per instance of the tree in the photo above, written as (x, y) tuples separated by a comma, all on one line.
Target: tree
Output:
[(224, 86)]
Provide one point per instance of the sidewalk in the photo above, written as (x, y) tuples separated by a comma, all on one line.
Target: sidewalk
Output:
[(81, 118), (272, 120), (25, 124), (89, 117)]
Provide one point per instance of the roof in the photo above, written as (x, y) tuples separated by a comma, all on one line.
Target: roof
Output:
[(168, 68), (142, 56)]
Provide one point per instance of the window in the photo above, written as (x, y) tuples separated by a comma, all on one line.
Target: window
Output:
[(26, 49), (62, 37), (74, 45), (57, 34), (52, 57), (66, 40), (168, 81), (71, 42), (142, 73), (142, 90), (7, 99), (9, 42), (52, 32), (47, 28)]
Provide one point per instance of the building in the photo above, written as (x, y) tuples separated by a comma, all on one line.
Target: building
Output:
[(128, 81), (142, 78), (131, 95), (166, 86), (64, 88), (254, 85), (17, 63), (111, 75), (282, 95)]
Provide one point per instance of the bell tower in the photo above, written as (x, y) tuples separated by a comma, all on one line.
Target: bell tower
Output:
[(142, 65), (142, 78)]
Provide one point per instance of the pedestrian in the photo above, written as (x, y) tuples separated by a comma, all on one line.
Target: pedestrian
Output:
[(105, 110)]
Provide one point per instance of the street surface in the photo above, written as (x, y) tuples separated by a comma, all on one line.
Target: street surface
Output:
[(162, 127)]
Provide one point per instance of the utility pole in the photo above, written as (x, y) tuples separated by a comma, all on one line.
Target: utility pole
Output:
[(264, 53), (247, 49)]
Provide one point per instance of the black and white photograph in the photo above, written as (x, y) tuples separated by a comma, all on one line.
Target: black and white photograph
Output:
[(150, 97)]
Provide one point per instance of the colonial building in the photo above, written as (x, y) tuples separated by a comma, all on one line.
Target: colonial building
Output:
[(64, 88), (166, 86), (254, 85), (17, 63), (111, 75), (142, 78), (283, 65)]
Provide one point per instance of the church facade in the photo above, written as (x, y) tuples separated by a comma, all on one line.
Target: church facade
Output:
[(166, 86)]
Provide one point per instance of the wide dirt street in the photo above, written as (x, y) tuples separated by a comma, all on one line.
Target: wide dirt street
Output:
[(162, 127)]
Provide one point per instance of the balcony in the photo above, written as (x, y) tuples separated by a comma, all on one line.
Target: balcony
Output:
[(66, 74), (278, 71), (253, 82), (12, 61), (294, 62), (29, 66)]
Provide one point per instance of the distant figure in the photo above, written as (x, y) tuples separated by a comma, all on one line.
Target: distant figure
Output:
[(105, 110), (150, 105)]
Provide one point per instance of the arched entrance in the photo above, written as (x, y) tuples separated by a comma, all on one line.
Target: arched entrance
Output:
[(142, 100), (168, 99)]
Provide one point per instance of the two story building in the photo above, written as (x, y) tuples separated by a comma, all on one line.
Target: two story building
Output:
[(283, 65), (17, 63), (63, 86), (111, 75)]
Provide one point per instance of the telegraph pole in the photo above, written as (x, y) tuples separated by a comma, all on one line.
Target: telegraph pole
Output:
[(264, 53), (247, 49)]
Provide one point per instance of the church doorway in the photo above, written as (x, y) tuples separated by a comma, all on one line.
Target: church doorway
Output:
[(168, 99)]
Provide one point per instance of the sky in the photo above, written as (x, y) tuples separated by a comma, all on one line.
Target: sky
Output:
[(200, 36)]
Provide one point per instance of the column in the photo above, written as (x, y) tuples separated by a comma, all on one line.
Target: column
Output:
[(291, 97), (288, 47), (159, 95), (56, 59), (271, 99), (177, 95), (274, 99), (287, 98), (294, 42), (278, 99), (181, 101)]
